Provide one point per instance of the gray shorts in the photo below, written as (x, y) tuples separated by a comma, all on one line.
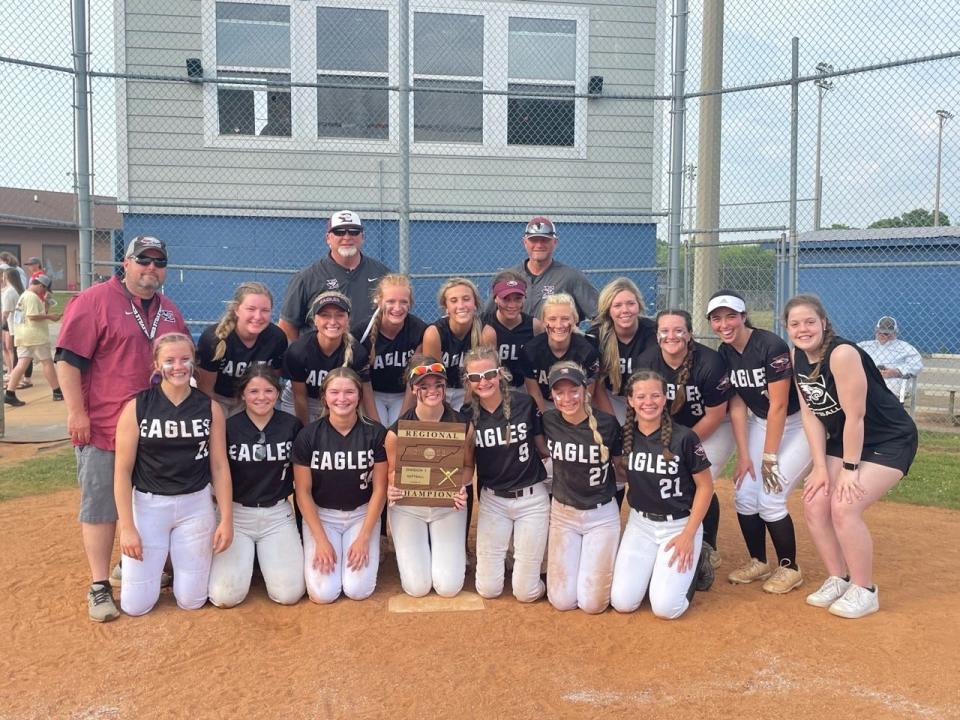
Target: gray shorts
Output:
[(95, 477)]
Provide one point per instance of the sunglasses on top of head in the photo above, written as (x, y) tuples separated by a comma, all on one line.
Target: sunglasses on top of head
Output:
[(145, 260), (260, 448), (424, 369), (352, 232), (476, 377)]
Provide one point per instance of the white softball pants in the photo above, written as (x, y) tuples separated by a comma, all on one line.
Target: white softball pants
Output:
[(793, 458), (388, 406), (181, 526), (341, 528), (720, 447), (430, 548), (455, 396), (528, 519), (269, 534), (583, 548), (642, 565)]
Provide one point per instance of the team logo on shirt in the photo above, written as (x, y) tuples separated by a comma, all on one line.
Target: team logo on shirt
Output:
[(699, 451), (724, 383), (781, 363), (815, 393), (167, 315), (332, 284), (549, 290)]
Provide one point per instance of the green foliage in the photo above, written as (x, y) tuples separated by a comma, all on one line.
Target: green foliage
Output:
[(914, 218), (934, 478)]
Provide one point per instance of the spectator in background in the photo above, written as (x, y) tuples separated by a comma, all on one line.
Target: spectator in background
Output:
[(11, 291), (31, 334), (13, 261), (33, 266), (895, 359)]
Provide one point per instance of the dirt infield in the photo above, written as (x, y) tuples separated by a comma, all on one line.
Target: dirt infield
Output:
[(737, 653)]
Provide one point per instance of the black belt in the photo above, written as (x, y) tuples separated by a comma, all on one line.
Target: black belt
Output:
[(513, 494), (657, 517), (272, 503)]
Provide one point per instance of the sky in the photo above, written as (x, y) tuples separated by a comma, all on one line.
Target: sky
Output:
[(880, 130)]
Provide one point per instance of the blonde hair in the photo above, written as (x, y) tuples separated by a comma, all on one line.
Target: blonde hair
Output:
[(476, 329), (485, 352), (560, 299), (389, 280), (349, 374), (345, 339), (228, 323), (630, 421), (609, 347), (169, 339), (588, 408), (829, 334)]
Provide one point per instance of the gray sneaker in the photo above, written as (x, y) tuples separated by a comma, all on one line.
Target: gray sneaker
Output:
[(100, 603)]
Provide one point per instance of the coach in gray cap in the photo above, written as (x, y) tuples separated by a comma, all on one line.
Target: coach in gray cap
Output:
[(344, 268)]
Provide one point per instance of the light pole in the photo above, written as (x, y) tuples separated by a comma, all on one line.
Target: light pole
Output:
[(942, 117), (824, 85)]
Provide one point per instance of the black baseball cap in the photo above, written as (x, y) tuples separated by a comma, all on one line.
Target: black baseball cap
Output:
[(145, 242), (574, 375), (330, 297)]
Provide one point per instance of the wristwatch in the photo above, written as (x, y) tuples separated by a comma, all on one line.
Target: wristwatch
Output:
[(850, 465)]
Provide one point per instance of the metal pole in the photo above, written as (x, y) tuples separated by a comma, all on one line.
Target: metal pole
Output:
[(942, 117), (794, 117), (706, 254), (677, 108), (691, 175), (403, 132), (81, 90), (823, 85)]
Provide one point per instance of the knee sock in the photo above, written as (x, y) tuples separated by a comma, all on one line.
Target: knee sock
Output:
[(621, 493), (784, 539), (469, 515), (754, 535), (711, 522)]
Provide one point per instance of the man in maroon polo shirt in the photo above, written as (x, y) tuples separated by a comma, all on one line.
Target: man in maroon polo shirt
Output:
[(104, 357)]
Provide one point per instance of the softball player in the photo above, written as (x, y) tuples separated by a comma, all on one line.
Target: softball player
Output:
[(451, 336), (622, 335), (670, 486), (508, 328), (430, 541), (340, 476), (259, 443), (315, 353), (170, 447), (243, 337), (862, 442), (698, 388), (584, 524), (768, 428), (509, 439), (391, 338)]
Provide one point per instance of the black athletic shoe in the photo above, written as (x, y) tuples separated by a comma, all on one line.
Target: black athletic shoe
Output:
[(58, 394), (704, 577), (11, 399)]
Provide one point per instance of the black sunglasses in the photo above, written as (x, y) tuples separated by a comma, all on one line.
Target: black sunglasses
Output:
[(145, 260), (260, 448), (352, 232)]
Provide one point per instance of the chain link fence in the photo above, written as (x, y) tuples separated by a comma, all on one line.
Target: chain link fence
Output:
[(233, 129)]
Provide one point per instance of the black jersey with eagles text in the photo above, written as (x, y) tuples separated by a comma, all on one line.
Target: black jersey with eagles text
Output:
[(506, 457), (510, 342), (261, 470), (452, 350), (707, 386), (538, 358), (885, 419), (173, 450), (662, 486), (580, 479), (305, 362), (341, 466), (765, 359), (386, 369), (630, 352), (267, 349)]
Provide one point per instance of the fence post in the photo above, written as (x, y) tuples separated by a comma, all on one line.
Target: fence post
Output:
[(403, 132), (794, 117), (677, 109), (81, 90)]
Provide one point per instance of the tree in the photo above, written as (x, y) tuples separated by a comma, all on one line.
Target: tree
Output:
[(914, 218), (839, 226)]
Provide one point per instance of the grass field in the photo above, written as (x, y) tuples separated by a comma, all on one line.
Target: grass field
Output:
[(934, 479)]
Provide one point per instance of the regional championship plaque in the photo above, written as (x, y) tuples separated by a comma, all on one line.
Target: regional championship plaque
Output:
[(429, 462)]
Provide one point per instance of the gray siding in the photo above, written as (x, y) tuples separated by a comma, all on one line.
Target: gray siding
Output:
[(168, 160)]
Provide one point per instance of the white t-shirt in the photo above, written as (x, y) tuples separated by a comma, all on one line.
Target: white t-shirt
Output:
[(9, 302)]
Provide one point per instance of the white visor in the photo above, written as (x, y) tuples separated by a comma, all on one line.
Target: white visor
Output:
[(727, 301)]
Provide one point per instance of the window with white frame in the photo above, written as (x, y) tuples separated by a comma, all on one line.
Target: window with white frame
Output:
[(253, 43)]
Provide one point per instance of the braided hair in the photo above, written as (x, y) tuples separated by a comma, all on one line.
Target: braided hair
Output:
[(683, 375), (588, 408), (630, 421), (390, 280), (829, 334), (228, 323), (607, 337), (482, 353)]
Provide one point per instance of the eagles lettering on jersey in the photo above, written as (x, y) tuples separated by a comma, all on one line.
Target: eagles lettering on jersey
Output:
[(819, 400), (237, 369), (654, 463), (394, 360), (509, 351), (694, 400), (273, 452), (341, 460), (451, 361), (501, 436), (574, 452), (753, 378), (170, 429)]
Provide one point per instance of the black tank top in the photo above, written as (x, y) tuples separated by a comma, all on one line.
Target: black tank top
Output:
[(452, 350), (510, 342), (885, 419), (173, 452)]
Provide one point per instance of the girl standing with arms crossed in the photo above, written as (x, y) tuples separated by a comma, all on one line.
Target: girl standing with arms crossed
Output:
[(259, 444), (767, 425), (509, 440), (450, 337), (244, 336), (668, 476), (429, 541), (340, 476), (508, 328), (584, 445), (170, 449), (862, 441)]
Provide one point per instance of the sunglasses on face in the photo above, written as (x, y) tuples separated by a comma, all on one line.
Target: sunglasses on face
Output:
[(352, 232), (476, 377), (431, 368), (260, 448), (145, 260)]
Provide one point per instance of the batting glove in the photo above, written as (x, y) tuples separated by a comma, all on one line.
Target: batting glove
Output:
[(773, 479)]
